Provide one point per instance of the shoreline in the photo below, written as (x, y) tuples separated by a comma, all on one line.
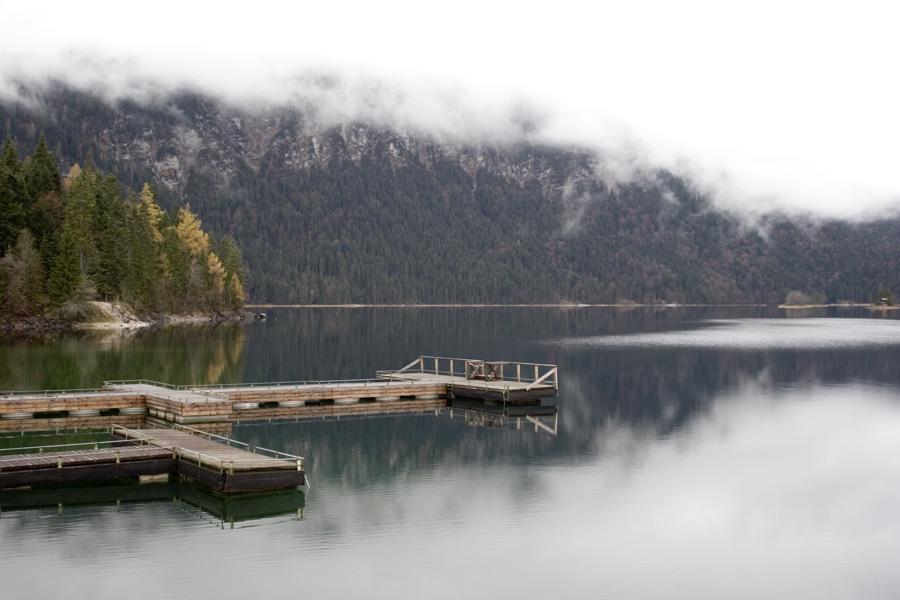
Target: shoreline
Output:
[(120, 317), (485, 305), (572, 305)]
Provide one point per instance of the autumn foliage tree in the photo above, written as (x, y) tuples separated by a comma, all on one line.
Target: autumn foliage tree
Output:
[(87, 237)]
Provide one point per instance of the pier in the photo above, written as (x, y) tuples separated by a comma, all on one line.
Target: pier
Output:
[(426, 383), (225, 465)]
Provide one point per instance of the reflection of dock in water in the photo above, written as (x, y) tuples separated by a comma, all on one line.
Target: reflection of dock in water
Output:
[(186, 496), (421, 385), (491, 416)]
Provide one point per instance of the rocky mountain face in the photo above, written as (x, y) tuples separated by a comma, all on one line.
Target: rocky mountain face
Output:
[(193, 134), (352, 212)]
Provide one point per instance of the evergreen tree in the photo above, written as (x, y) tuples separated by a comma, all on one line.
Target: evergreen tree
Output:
[(23, 292), (80, 206), (92, 238), (41, 171), (14, 199), (111, 235), (65, 278)]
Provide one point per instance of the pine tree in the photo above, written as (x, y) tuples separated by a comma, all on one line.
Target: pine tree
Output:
[(44, 216), (80, 205), (41, 171), (111, 235), (14, 199), (65, 278)]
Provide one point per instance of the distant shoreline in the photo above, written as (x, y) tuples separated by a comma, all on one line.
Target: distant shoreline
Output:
[(567, 305)]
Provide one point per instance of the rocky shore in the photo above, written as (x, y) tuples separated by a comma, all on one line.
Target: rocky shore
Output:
[(118, 316)]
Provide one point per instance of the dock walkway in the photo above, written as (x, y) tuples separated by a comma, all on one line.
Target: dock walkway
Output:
[(226, 465), (417, 386)]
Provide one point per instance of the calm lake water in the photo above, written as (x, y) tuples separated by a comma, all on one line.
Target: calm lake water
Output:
[(700, 453)]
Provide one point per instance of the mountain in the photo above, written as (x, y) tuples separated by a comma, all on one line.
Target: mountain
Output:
[(354, 212)]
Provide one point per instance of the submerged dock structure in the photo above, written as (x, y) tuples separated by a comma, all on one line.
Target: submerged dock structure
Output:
[(426, 383)]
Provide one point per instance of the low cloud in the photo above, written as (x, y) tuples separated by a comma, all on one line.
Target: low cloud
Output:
[(803, 123)]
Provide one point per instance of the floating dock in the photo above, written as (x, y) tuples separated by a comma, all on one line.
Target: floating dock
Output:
[(426, 383), (225, 465)]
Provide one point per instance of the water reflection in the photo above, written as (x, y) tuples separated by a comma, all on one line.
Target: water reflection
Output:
[(759, 334), (178, 355), (767, 490), (738, 458), (184, 496)]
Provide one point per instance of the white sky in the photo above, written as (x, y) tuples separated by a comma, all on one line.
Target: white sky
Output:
[(792, 105)]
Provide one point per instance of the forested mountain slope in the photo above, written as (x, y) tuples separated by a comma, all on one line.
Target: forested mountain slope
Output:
[(351, 212)]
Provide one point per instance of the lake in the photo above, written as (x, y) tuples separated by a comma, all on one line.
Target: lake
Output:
[(699, 453)]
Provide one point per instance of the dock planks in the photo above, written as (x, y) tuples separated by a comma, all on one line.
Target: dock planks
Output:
[(216, 455), (137, 453), (423, 381)]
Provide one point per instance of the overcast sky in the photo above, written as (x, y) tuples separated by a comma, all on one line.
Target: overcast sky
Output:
[(792, 105)]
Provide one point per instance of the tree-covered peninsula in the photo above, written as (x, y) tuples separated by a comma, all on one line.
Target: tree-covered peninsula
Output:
[(67, 241)]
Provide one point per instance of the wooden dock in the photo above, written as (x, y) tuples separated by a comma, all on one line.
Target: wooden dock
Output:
[(423, 384), (225, 465)]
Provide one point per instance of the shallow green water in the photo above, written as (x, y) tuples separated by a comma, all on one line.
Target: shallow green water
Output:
[(700, 453)]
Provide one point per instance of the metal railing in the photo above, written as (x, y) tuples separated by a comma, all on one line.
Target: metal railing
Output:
[(53, 392), (182, 452), (287, 384), (533, 374), (145, 382), (77, 445)]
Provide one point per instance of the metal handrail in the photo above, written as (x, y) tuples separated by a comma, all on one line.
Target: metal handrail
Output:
[(144, 382), (230, 441), (522, 369), (41, 449), (272, 384), (222, 463), (49, 392), (128, 431), (455, 358)]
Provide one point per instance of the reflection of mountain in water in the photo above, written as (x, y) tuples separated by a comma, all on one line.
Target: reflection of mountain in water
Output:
[(648, 392)]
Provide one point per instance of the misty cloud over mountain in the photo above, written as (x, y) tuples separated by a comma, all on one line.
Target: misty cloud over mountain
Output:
[(334, 211)]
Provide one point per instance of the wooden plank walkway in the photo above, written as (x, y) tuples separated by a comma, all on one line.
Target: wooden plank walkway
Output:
[(222, 465), (71, 458), (425, 379), (206, 452)]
